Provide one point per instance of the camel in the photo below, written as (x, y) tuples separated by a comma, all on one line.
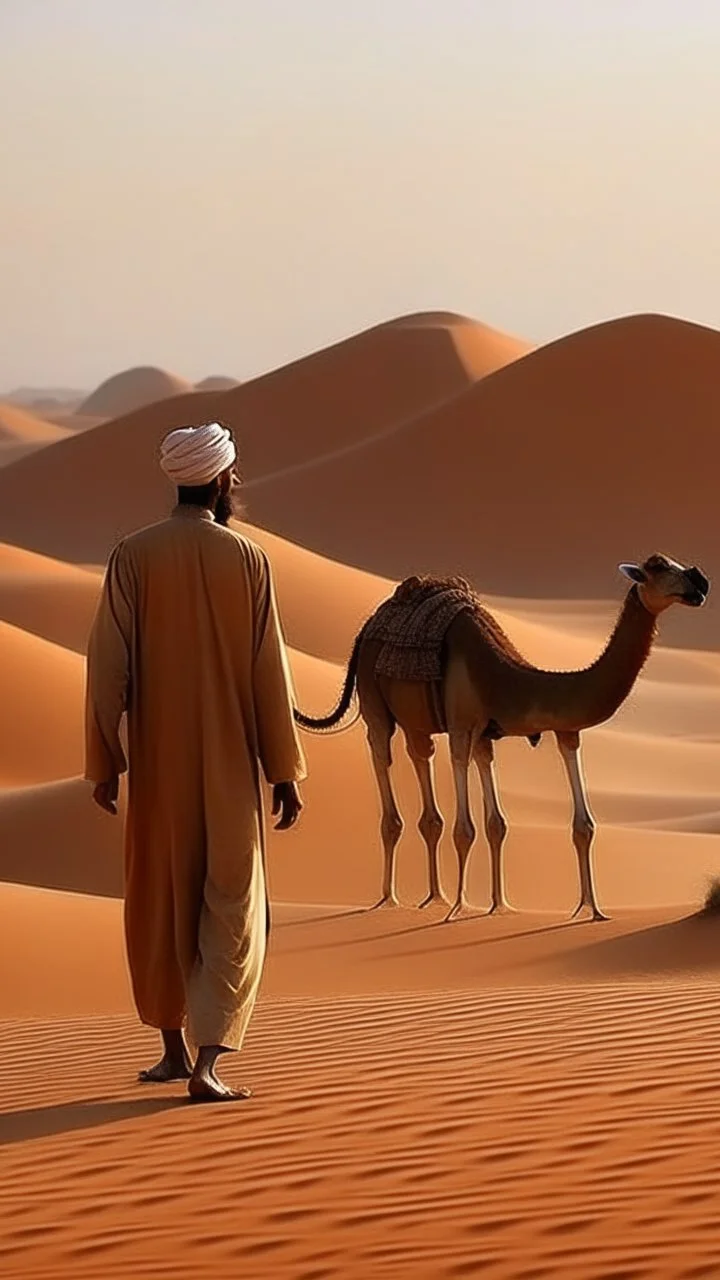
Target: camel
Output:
[(490, 691)]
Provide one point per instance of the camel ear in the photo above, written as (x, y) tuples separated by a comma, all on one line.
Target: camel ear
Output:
[(633, 572)]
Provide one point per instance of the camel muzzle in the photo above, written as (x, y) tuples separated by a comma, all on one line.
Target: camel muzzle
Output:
[(700, 587)]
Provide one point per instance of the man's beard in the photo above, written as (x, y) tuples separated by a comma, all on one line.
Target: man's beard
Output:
[(224, 508)]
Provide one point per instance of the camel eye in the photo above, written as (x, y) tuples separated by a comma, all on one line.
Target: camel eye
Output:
[(656, 565)]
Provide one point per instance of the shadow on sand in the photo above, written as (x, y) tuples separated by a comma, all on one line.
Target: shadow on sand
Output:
[(679, 948), (44, 1122)]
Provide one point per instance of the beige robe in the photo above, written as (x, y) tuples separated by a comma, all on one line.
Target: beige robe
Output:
[(187, 641)]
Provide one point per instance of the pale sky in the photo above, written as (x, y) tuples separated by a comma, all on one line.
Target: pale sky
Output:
[(220, 186)]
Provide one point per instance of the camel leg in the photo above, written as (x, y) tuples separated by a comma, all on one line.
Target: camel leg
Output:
[(464, 829), (421, 751), (583, 822), (495, 823), (391, 823)]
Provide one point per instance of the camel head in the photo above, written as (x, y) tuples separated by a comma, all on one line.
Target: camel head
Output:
[(662, 582)]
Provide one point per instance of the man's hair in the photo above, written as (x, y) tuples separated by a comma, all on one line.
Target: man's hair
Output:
[(199, 495)]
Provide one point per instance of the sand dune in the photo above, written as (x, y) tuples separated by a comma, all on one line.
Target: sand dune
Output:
[(73, 421), (22, 433), (323, 603), (92, 490), (217, 382), (132, 389), (37, 399), (49, 598), (106, 481), (41, 694), (537, 480), (361, 387)]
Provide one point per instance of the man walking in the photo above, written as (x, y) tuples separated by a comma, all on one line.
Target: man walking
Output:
[(187, 642)]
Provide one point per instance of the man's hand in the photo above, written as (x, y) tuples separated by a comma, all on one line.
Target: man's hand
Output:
[(106, 794), (287, 802)]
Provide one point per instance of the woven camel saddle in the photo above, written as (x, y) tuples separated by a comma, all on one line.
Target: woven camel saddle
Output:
[(411, 626), (412, 623)]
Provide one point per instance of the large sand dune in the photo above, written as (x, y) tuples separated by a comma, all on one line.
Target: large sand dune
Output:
[(106, 481), (132, 389), (535, 481)]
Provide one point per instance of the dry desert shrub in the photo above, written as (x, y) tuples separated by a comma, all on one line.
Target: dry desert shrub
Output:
[(711, 906)]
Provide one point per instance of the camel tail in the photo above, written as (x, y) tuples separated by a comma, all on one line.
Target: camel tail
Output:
[(322, 724)]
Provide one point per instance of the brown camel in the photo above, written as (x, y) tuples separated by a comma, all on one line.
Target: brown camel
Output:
[(489, 691)]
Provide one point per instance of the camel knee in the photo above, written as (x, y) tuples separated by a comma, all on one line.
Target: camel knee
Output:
[(391, 827), (431, 826), (583, 829), (464, 837), (496, 829)]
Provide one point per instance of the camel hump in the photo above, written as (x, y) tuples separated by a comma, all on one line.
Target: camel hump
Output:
[(411, 626), (420, 587)]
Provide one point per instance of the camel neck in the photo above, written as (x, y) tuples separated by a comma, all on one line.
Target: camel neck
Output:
[(613, 674)]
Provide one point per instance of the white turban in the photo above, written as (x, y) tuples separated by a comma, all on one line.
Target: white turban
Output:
[(193, 456)]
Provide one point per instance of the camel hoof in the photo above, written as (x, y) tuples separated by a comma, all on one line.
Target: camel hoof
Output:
[(586, 910), (386, 902), (455, 912), (432, 900), (501, 909)]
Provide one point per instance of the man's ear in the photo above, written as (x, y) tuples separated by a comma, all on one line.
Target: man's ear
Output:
[(633, 572)]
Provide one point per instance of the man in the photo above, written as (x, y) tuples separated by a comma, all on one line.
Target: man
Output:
[(187, 641)]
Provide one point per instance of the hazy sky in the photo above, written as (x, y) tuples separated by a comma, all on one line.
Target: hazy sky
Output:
[(219, 186)]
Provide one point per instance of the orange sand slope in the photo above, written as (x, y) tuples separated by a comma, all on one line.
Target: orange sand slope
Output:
[(41, 694), (360, 387), (600, 447), (333, 951), (47, 597), (106, 481), (537, 1132), (22, 433), (132, 389)]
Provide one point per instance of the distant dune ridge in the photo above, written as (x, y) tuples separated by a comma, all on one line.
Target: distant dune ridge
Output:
[(328, 402), (49, 397), (132, 389), (600, 447), (508, 479), (217, 382), (22, 433)]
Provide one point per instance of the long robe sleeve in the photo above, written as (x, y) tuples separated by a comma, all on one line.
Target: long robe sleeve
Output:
[(108, 673), (279, 750)]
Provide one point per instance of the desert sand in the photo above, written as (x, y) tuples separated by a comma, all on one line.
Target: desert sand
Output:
[(22, 432), (518, 1097)]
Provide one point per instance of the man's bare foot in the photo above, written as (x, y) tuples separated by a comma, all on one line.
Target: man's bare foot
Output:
[(166, 1070), (175, 1063), (205, 1087)]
